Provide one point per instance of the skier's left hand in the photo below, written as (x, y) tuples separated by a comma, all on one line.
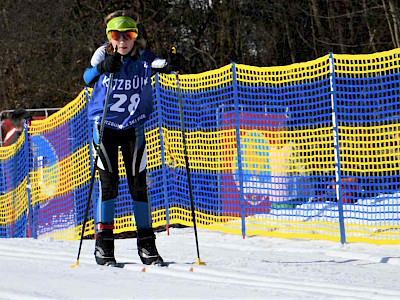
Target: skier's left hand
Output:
[(176, 60)]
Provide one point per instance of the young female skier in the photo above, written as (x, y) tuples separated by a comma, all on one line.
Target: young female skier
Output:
[(130, 105)]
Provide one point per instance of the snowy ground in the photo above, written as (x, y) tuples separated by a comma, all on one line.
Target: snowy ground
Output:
[(251, 268)]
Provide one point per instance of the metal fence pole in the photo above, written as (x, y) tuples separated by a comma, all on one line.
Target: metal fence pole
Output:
[(338, 174), (239, 153)]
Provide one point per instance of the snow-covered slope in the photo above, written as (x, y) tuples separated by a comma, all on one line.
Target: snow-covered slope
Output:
[(251, 268)]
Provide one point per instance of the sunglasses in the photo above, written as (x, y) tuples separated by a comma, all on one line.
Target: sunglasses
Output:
[(126, 35)]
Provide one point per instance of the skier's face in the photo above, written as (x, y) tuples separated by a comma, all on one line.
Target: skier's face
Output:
[(124, 41)]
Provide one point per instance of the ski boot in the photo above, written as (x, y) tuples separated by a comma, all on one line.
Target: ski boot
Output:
[(104, 249), (146, 243)]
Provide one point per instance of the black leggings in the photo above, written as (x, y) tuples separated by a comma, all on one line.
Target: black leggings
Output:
[(134, 152)]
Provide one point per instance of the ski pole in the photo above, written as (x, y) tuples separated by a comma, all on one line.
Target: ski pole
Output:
[(94, 166), (185, 152)]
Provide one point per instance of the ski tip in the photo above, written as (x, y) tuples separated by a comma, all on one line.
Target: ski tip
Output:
[(75, 265), (144, 269)]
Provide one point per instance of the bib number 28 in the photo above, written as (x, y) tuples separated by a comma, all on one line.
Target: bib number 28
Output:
[(120, 105)]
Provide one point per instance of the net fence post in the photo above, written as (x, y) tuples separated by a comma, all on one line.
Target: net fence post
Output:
[(238, 146), (163, 167), (338, 174), (91, 154)]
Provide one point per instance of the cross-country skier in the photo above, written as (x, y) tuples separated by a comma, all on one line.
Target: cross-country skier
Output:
[(130, 105)]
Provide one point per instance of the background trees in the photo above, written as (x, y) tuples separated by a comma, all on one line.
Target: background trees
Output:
[(45, 45)]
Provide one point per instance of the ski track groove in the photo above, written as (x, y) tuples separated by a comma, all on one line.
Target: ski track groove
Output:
[(11, 294), (345, 254), (209, 274)]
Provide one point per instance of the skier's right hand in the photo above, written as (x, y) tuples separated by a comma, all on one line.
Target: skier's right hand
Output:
[(112, 64)]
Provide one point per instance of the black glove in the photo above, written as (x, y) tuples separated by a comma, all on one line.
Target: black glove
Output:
[(176, 61), (112, 64)]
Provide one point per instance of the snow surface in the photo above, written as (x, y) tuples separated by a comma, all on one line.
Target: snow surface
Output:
[(252, 268)]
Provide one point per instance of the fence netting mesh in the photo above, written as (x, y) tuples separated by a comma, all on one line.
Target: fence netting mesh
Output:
[(290, 151)]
